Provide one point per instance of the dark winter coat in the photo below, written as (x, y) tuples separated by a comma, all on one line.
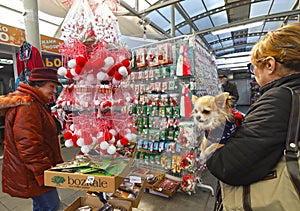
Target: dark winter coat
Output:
[(258, 144), (231, 89), (30, 144)]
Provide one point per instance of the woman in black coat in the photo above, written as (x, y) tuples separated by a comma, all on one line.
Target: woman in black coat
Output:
[(258, 144)]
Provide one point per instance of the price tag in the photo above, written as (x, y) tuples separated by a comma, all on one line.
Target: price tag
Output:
[(135, 179)]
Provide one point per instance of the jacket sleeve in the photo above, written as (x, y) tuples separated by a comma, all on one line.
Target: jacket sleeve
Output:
[(258, 144), (28, 131), (235, 92)]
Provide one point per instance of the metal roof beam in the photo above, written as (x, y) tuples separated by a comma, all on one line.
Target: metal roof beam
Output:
[(135, 13), (294, 6), (234, 37), (184, 14), (220, 9), (236, 46), (158, 6), (251, 20)]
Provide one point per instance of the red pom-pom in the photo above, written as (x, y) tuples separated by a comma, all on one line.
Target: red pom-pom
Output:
[(74, 140), (108, 136), (111, 71), (68, 135), (87, 66), (88, 140), (80, 60), (126, 62), (129, 70), (124, 141), (118, 76), (105, 104), (78, 70), (118, 65), (118, 136), (98, 63), (69, 74)]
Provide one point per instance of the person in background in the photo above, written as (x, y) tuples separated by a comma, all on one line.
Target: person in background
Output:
[(230, 88), (258, 144), (31, 143)]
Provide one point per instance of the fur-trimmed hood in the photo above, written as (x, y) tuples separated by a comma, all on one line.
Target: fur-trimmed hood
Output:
[(10, 101)]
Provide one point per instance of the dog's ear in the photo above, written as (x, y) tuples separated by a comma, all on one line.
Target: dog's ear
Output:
[(222, 100), (194, 98)]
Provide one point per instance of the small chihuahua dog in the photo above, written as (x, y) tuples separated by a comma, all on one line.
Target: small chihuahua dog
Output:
[(210, 113)]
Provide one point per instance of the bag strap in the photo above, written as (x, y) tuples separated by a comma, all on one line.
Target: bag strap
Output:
[(291, 152)]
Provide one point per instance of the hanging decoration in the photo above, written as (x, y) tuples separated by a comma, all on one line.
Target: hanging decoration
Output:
[(97, 62)]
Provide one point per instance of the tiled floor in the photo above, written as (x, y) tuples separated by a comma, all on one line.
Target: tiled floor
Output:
[(202, 200)]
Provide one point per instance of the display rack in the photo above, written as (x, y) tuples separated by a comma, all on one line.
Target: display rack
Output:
[(165, 76)]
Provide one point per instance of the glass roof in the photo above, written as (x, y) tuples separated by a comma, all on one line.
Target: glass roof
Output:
[(200, 17)]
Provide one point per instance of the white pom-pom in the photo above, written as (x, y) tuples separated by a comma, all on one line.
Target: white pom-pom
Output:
[(62, 71), (80, 142), (72, 127), (123, 71), (69, 143), (100, 134), (109, 61), (95, 140), (85, 149), (104, 145), (131, 137), (112, 141), (119, 144), (134, 137), (115, 82), (76, 77), (127, 130), (90, 77), (101, 76), (72, 71), (78, 132), (128, 99), (113, 132), (72, 63), (111, 149), (96, 102)]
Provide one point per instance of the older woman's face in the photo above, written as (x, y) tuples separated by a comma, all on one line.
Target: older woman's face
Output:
[(260, 75), (269, 71), (49, 89)]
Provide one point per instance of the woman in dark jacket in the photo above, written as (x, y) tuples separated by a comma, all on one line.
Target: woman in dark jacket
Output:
[(31, 143), (258, 144)]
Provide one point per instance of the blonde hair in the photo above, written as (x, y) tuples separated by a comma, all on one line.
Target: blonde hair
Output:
[(283, 44)]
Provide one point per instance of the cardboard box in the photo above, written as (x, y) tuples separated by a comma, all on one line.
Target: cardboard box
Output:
[(85, 182), (135, 201), (88, 182), (95, 203), (161, 186), (152, 178)]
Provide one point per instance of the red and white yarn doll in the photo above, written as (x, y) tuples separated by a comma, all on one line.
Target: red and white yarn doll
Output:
[(75, 67), (186, 106), (188, 183), (188, 161), (121, 70), (183, 67)]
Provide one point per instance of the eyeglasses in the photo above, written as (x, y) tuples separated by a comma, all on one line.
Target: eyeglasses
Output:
[(250, 68)]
